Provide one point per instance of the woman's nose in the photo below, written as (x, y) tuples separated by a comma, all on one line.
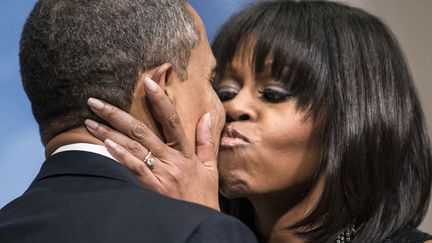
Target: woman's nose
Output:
[(240, 108), (243, 117)]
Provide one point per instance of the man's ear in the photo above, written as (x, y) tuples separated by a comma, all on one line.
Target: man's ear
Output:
[(161, 75)]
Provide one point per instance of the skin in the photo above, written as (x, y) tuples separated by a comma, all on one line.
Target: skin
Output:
[(284, 146), (275, 176), (275, 168), (192, 98), (281, 201), (195, 96), (191, 118), (192, 102)]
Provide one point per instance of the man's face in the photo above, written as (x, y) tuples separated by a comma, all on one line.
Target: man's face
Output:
[(195, 96)]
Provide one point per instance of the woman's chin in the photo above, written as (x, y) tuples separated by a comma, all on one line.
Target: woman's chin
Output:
[(233, 187), (231, 192)]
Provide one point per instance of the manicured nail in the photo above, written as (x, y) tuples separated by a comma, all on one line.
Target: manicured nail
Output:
[(92, 124), (150, 84), (207, 118), (95, 103), (110, 144)]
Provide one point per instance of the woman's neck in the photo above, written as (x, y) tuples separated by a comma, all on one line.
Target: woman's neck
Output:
[(275, 212)]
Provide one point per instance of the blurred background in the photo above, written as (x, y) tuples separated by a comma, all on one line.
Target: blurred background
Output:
[(21, 152)]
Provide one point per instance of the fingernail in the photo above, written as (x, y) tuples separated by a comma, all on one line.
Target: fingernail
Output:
[(150, 84), (110, 144), (95, 103), (92, 124), (207, 118)]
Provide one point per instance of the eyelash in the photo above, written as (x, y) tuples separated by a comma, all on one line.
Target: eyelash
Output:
[(273, 96), (267, 95), (225, 95)]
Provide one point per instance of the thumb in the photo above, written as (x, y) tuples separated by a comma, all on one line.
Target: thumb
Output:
[(205, 146)]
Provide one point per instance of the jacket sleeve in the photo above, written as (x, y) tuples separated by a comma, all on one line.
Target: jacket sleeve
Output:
[(221, 228)]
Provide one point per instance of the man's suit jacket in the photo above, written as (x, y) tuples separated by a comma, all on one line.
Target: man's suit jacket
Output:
[(85, 197)]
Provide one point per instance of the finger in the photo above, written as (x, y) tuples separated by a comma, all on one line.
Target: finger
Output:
[(103, 132), (134, 164), (205, 147), (166, 114), (128, 125)]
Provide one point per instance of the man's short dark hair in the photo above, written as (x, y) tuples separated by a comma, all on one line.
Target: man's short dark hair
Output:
[(75, 49)]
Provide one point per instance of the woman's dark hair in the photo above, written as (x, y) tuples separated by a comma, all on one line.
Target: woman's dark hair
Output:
[(344, 65)]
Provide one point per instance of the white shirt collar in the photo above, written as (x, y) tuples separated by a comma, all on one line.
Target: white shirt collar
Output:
[(88, 147)]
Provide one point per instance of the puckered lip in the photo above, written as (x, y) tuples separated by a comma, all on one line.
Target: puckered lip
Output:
[(230, 132)]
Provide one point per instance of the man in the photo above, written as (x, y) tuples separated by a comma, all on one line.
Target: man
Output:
[(72, 50)]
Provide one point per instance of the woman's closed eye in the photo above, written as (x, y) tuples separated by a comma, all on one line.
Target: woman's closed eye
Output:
[(274, 94), (227, 89), (226, 93)]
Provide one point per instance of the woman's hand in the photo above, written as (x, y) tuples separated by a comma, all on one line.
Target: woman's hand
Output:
[(178, 172)]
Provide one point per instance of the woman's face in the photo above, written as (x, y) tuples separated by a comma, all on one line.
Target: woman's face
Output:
[(268, 145)]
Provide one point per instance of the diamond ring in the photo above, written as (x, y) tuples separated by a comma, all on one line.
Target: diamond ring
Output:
[(149, 160)]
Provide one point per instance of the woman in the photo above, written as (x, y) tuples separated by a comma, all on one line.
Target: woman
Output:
[(325, 139)]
